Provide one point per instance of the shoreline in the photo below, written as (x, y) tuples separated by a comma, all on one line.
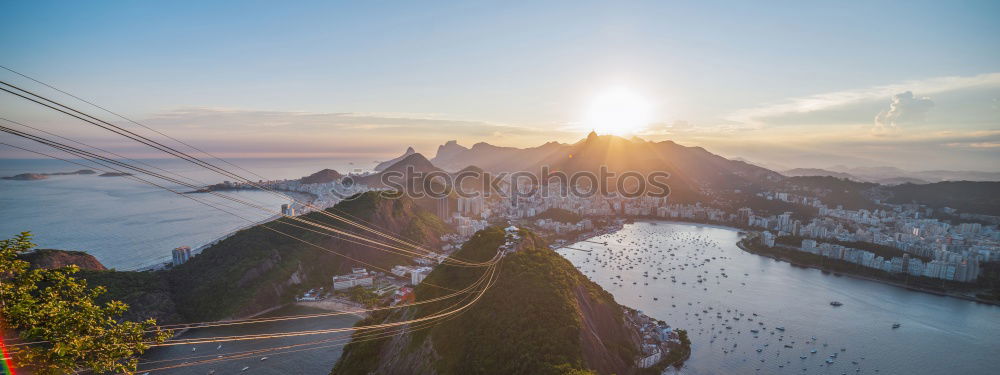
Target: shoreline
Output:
[(873, 279), (198, 249), (335, 306), (739, 244)]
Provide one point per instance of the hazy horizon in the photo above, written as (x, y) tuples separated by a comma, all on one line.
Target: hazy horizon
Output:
[(780, 85)]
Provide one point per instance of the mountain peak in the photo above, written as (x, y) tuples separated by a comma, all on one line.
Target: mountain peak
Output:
[(417, 161), (448, 151), (385, 164), (323, 176)]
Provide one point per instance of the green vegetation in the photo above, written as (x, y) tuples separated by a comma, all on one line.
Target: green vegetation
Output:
[(560, 215), (852, 195), (361, 295), (965, 196), (530, 322), (423, 224), (678, 355), (54, 307), (258, 268), (989, 280), (146, 293)]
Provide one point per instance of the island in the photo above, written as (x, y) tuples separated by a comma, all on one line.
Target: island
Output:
[(42, 176)]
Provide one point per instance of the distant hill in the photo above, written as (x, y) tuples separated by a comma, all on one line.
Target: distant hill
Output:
[(386, 164), (817, 172), (965, 196), (448, 152), (42, 176), (416, 162), (322, 177), (26, 177), (541, 317), (901, 180), (494, 158), (893, 175), (835, 191)]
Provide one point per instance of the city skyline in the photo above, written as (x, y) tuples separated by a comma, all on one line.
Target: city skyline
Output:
[(914, 87)]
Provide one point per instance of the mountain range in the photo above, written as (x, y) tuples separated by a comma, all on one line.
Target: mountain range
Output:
[(893, 175), (693, 170), (697, 175)]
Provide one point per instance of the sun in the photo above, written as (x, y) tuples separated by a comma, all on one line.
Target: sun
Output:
[(618, 111)]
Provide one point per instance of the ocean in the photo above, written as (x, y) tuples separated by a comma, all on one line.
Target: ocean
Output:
[(130, 225)]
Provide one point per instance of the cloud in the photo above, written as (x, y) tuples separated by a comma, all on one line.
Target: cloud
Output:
[(228, 120), (334, 133), (836, 99), (685, 128), (904, 108), (975, 145)]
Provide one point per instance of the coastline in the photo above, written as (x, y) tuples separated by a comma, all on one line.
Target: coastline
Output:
[(309, 198), (856, 276), (873, 279)]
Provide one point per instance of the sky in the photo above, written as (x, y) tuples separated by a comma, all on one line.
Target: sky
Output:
[(913, 84)]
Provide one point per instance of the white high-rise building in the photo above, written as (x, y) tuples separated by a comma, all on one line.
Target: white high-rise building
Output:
[(181, 255)]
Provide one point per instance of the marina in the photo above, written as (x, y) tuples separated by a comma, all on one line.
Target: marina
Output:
[(749, 314)]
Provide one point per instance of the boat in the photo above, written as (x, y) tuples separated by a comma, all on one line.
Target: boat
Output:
[(218, 347), (813, 351), (895, 325), (245, 368), (780, 328), (263, 359), (836, 303)]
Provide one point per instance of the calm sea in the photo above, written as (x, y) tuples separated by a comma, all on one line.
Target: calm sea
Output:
[(740, 292), (128, 224)]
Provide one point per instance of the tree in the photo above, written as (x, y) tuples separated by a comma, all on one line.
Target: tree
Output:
[(58, 313)]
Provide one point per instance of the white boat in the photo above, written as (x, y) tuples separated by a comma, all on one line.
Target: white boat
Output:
[(245, 368), (263, 359)]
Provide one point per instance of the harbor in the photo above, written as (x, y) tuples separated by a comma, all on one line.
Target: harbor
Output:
[(748, 314)]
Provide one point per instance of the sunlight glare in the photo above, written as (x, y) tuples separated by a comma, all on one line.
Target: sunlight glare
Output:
[(618, 111)]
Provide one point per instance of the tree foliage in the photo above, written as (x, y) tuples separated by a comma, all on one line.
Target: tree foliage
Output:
[(60, 314)]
